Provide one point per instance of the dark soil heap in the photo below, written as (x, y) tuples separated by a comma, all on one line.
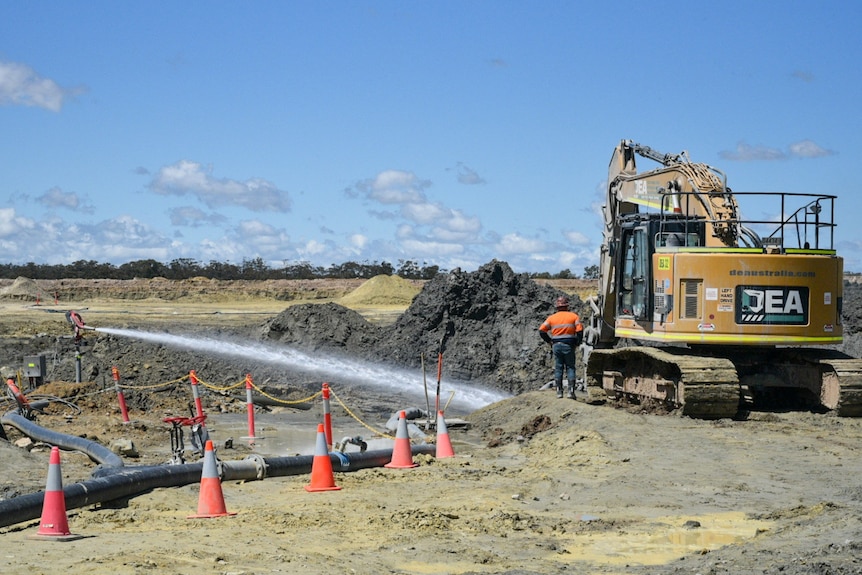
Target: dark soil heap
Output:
[(495, 314), (321, 326)]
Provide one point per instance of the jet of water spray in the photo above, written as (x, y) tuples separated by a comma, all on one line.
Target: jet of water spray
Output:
[(388, 379)]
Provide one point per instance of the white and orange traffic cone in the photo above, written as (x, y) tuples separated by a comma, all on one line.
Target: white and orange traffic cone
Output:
[(322, 478), (54, 526), (402, 454), (444, 445), (211, 499)]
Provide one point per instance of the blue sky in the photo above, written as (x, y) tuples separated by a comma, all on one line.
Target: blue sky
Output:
[(446, 133)]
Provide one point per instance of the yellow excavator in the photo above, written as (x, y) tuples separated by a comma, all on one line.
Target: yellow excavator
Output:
[(705, 311)]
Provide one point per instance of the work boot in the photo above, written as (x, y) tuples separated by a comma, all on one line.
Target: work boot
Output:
[(559, 385)]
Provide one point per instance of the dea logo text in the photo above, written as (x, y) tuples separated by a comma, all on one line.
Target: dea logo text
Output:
[(771, 305)]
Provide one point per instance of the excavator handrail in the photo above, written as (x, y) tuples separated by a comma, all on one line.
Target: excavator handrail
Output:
[(819, 212)]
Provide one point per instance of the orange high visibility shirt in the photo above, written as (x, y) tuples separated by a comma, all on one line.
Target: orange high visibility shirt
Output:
[(562, 326)]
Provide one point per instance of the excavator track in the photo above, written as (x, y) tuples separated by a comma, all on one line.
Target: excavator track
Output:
[(706, 386), (842, 385)]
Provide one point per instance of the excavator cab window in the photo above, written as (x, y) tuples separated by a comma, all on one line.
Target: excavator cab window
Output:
[(634, 280), (677, 239)]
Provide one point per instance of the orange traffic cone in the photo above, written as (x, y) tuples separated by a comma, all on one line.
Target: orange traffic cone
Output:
[(211, 500), (444, 446), (54, 526), (321, 467), (402, 454)]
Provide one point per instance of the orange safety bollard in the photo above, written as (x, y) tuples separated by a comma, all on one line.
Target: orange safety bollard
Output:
[(250, 407), (327, 416), (199, 408), (124, 411), (20, 398)]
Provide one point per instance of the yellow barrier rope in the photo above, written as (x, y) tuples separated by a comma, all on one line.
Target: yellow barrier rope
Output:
[(221, 389), (154, 386), (362, 423), (285, 401)]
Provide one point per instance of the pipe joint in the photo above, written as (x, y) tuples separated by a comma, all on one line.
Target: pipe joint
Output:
[(259, 465)]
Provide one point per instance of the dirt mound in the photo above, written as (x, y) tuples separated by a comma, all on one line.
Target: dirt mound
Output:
[(197, 289), (381, 290), (852, 318), (21, 287), (495, 314), (317, 326)]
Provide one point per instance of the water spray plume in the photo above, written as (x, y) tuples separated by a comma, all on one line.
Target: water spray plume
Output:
[(325, 366)]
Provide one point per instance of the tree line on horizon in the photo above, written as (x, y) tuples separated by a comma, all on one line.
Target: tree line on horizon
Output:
[(253, 269)]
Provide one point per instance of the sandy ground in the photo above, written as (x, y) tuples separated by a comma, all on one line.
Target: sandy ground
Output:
[(538, 485)]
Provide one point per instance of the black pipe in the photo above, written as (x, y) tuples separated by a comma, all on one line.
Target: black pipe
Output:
[(96, 451)]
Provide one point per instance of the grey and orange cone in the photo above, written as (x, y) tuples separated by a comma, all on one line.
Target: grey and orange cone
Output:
[(444, 445), (402, 453), (211, 499), (54, 526), (322, 478)]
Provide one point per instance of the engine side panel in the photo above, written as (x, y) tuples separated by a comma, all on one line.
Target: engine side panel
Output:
[(739, 297)]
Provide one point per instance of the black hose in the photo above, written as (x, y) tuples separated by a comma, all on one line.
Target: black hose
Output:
[(117, 482), (96, 451)]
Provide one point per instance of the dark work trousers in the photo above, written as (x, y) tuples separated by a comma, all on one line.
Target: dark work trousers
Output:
[(564, 359)]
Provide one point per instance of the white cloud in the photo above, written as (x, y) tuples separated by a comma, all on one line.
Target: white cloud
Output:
[(255, 228), (125, 229), (358, 241), (394, 187), (423, 213), (576, 238), (515, 243), (396, 196), (389, 179), (808, 149), (459, 222), (190, 216), (404, 231), (312, 248), (431, 248), (747, 153), (10, 224), (426, 228), (447, 235), (20, 85), (468, 176), (802, 149), (187, 177), (57, 198)]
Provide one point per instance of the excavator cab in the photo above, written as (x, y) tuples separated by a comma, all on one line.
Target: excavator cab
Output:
[(641, 235)]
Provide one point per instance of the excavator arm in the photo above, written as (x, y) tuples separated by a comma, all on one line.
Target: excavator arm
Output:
[(679, 186)]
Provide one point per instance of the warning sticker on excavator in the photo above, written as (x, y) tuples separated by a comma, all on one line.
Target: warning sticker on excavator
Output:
[(725, 299)]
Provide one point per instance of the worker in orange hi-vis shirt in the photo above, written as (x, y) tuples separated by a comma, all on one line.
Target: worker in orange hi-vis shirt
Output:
[(564, 332)]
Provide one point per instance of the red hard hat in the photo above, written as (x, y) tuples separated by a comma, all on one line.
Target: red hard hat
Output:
[(562, 301)]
